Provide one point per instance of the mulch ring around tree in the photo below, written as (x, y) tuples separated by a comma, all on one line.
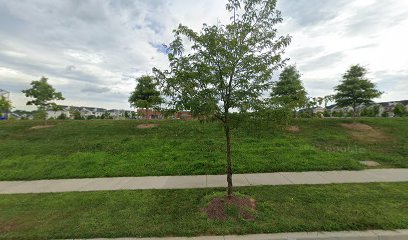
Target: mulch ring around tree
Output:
[(234, 208), (147, 126), (365, 133), (293, 129), (42, 127)]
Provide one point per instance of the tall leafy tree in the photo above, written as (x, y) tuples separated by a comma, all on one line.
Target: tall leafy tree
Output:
[(355, 89), (5, 105), (288, 92), (225, 67), (400, 110), (145, 94), (43, 95)]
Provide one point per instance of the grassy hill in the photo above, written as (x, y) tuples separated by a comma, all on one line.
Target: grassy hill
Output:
[(82, 149)]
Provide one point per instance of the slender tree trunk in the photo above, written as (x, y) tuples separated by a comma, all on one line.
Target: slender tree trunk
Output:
[(45, 117), (354, 114), (146, 115), (229, 160)]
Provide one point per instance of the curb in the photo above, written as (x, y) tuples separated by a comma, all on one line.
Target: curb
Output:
[(343, 235)]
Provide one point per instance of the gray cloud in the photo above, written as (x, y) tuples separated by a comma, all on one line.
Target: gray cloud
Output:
[(392, 81), (95, 89), (375, 17), (310, 12), (91, 49), (393, 84), (306, 52), (325, 61)]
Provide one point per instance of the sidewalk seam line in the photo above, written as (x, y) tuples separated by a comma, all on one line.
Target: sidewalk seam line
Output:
[(249, 183), (291, 183), (328, 180)]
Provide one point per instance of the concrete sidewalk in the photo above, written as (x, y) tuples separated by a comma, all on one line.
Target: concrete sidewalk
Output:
[(347, 235), (202, 181)]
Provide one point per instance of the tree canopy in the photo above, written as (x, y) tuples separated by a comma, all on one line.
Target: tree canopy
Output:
[(43, 94), (225, 68), (288, 92), (400, 110), (355, 89), (5, 105), (145, 94)]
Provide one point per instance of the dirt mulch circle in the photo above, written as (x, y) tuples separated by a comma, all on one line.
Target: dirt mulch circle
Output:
[(293, 129), (365, 133), (147, 126), (8, 227), (244, 208), (370, 164), (42, 127), (357, 126)]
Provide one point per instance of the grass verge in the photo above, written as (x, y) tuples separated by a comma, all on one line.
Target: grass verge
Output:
[(157, 213), (87, 149)]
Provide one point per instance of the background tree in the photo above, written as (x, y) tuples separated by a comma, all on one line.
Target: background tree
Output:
[(43, 94), (400, 110), (106, 115), (76, 114), (5, 106), (40, 115), (327, 99), (370, 111), (228, 67), (72, 111), (62, 116), (355, 89), (288, 92), (311, 104), (145, 94)]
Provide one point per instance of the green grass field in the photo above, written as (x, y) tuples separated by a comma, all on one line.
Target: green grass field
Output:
[(158, 213), (82, 149)]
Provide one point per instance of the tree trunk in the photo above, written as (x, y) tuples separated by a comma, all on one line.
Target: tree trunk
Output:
[(45, 117), (146, 115), (354, 114), (229, 160)]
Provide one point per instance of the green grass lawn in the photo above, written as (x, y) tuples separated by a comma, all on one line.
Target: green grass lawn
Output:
[(158, 213), (79, 149)]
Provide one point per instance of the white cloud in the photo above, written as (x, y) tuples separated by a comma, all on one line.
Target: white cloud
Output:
[(92, 49)]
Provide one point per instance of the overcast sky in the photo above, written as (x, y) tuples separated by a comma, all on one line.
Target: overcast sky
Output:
[(91, 50)]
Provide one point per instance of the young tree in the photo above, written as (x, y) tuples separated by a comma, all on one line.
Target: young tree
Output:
[(77, 115), (228, 67), (288, 92), (43, 94), (62, 117), (400, 110), (355, 89), (71, 111), (145, 94), (385, 114), (5, 106)]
